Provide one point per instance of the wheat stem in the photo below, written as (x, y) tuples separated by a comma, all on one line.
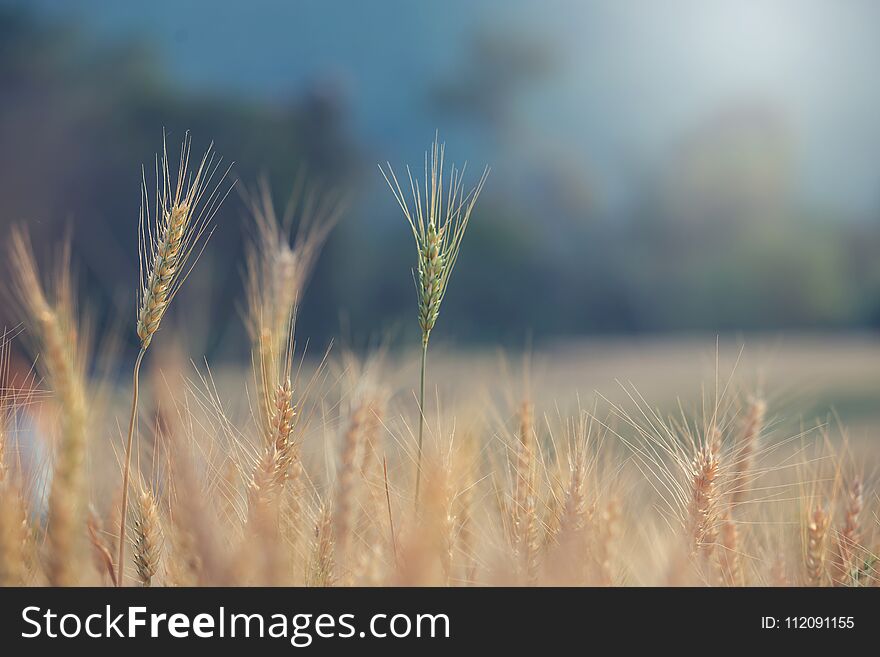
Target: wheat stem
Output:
[(126, 471), (421, 414)]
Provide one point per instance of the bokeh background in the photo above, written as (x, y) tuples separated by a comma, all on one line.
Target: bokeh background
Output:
[(660, 171)]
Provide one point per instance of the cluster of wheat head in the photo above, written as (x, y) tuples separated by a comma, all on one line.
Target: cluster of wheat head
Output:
[(319, 472)]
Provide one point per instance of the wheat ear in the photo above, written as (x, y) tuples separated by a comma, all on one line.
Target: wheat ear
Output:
[(55, 326), (346, 485), (745, 449), (13, 519), (731, 567), (148, 538), (849, 535), (702, 514), (525, 521), (321, 567), (817, 530), (13, 535), (279, 262)]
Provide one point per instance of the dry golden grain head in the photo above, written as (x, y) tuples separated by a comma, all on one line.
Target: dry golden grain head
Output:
[(345, 502), (280, 257), (524, 520), (263, 489), (322, 567), (729, 555), (744, 450), (847, 549), (817, 531), (52, 322), (174, 227), (703, 507), (283, 414), (147, 537), (13, 537)]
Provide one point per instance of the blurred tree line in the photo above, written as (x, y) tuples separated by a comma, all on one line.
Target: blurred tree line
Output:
[(707, 242)]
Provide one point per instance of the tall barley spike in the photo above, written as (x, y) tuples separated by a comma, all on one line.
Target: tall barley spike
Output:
[(525, 521), (729, 558), (55, 327), (848, 537), (148, 537), (745, 449), (281, 428), (13, 518), (321, 567), (703, 505), (171, 238), (279, 261), (438, 221), (13, 536), (346, 485)]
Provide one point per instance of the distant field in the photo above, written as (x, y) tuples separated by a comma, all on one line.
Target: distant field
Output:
[(806, 377)]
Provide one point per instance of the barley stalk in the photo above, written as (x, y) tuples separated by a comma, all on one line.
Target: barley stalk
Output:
[(102, 552), (279, 263), (54, 325), (438, 222), (175, 235)]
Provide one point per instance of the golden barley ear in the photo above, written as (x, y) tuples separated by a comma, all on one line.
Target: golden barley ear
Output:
[(524, 520), (171, 239), (173, 234), (147, 537), (745, 450), (13, 515), (848, 541), (52, 321), (817, 534), (322, 566), (281, 254), (703, 510)]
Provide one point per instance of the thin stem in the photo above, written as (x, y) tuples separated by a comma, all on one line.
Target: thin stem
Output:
[(390, 516), (120, 568), (421, 415)]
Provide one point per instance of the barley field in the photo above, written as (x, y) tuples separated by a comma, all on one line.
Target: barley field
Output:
[(696, 460)]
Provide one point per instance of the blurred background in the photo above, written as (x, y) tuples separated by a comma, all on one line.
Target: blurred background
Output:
[(659, 170)]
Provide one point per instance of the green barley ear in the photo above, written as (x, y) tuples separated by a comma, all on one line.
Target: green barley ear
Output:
[(438, 219)]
